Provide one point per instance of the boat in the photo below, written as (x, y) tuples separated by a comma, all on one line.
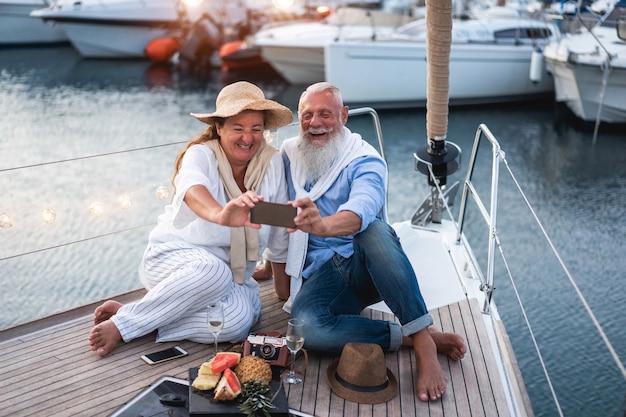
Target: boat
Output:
[(495, 57), (124, 28), (18, 28), (49, 370), (296, 50), (114, 28), (589, 68)]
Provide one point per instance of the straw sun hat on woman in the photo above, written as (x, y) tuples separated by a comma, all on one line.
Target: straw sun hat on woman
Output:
[(242, 95)]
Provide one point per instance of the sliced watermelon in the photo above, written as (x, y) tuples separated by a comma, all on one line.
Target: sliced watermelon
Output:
[(224, 360), (233, 381), (228, 387)]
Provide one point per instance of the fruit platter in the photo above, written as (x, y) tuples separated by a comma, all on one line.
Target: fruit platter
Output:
[(234, 385)]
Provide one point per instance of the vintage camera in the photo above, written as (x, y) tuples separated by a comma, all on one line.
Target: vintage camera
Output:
[(270, 347)]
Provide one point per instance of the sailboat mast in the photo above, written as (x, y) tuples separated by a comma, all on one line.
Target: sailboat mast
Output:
[(436, 154)]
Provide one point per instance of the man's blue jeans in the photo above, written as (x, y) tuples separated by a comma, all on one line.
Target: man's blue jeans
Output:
[(331, 299)]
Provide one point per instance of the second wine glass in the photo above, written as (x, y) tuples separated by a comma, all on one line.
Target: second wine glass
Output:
[(215, 321), (295, 341)]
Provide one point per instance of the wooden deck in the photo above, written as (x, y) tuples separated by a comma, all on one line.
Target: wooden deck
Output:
[(48, 369)]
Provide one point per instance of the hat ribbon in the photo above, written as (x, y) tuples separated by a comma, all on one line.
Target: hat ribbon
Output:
[(361, 388)]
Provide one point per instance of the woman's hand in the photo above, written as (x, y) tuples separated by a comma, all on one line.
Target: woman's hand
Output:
[(235, 213)]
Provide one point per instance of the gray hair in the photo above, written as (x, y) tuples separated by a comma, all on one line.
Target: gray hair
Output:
[(320, 88)]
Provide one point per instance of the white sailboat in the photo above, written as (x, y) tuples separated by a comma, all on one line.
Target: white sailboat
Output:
[(589, 68), (491, 60)]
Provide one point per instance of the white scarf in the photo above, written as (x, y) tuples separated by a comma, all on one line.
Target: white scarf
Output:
[(244, 241), (354, 147)]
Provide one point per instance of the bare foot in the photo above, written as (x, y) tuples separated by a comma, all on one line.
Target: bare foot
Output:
[(450, 344), (104, 337), (263, 272), (105, 311), (431, 382)]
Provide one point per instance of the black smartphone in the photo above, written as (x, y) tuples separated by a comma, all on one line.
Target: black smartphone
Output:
[(274, 214), (164, 355)]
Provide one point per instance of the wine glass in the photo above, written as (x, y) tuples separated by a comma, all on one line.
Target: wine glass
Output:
[(215, 321), (295, 340)]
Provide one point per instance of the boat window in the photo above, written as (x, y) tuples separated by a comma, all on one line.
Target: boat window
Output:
[(617, 14), (522, 33)]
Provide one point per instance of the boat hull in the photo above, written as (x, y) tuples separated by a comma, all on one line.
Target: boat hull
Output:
[(296, 51), (113, 41), (582, 79), (580, 88), (116, 30), (297, 65), (478, 73), (18, 28)]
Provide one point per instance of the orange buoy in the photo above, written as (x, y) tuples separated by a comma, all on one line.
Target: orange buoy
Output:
[(230, 48), (238, 55), (162, 49)]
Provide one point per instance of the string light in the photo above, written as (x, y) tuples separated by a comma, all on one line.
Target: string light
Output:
[(5, 220), (48, 216), (124, 202), (96, 209), (162, 192)]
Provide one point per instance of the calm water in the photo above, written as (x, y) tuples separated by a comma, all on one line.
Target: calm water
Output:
[(55, 106)]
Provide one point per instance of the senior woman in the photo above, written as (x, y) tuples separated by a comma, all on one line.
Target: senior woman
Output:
[(204, 248)]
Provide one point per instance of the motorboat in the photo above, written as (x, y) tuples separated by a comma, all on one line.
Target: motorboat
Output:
[(495, 56), (123, 28), (589, 68), (114, 28), (296, 50), (18, 28)]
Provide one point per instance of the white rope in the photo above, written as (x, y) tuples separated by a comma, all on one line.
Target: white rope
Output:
[(595, 321)]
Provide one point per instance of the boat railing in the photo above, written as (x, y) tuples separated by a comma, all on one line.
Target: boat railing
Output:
[(489, 215)]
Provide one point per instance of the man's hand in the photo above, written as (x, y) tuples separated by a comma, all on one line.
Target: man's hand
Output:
[(310, 220)]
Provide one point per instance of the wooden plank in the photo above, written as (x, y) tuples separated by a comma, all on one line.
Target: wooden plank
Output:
[(488, 377)]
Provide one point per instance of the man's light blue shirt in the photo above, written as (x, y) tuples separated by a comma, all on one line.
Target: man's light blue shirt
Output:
[(361, 188)]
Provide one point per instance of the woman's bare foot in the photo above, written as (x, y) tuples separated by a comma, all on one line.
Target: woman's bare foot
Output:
[(263, 272), (104, 337), (450, 344), (431, 382), (105, 311)]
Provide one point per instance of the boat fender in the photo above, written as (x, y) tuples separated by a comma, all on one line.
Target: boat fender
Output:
[(536, 66), (162, 49)]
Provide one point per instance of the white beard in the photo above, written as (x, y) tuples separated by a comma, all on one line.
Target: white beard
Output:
[(317, 159)]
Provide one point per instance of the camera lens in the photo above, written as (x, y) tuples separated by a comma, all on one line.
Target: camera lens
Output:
[(267, 351)]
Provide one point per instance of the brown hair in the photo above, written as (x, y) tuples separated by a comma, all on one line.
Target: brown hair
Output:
[(209, 134)]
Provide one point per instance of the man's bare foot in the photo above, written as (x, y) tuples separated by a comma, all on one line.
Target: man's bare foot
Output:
[(431, 382), (104, 337), (263, 272), (105, 311), (450, 344)]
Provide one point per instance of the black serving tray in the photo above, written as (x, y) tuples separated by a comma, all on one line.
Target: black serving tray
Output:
[(202, 404)]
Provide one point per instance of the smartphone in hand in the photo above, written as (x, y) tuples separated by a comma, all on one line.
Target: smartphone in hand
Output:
[(274, 214)]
